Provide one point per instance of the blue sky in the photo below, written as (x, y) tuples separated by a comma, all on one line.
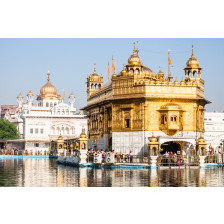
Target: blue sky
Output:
[(24, 63)]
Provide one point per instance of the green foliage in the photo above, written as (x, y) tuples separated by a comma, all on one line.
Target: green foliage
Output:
[(8, 131)]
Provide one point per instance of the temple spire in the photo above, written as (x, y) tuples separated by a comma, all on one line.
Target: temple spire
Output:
[(94, 68), (192, 50), (137, 48), (48, 74)]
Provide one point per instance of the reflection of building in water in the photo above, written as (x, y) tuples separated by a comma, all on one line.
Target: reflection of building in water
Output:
[(214, 130), (48, 119), (153, 178), (139, 103)]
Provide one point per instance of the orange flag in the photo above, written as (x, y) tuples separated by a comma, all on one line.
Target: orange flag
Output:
[(108, 69), (113, 66), (170, 62)]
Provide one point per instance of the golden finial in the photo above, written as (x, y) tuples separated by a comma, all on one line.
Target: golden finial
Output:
[(94, 68), (48, 74), (160, 69), (123, 66), (192, 50), (134, 48), (137, 48)]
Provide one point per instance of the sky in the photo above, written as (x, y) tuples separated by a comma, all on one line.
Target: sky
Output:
[(24, 63)]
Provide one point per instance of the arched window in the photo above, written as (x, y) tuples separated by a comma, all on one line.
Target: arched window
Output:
[(67, 131), (154, 151), (96, 86), (47, 104), (51, 105), (173, 118), (99, 86), (92, 86), (195, 73), (67, 111), (202, 151)]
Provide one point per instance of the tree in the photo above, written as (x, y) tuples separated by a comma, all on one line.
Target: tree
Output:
[(8, 131)]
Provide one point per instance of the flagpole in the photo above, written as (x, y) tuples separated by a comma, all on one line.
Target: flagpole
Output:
[(108, 73), (112, 66), (169, 63)]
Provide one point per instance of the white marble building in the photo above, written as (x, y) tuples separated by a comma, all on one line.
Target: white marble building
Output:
[(214, 130), (50, 117)]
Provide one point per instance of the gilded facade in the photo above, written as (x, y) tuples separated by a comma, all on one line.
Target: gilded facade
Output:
[(139, 104)]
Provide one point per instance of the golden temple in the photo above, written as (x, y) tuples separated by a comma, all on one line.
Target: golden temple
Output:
[(139, 104)]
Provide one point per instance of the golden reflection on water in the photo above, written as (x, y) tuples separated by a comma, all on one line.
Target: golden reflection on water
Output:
[(41, 172)]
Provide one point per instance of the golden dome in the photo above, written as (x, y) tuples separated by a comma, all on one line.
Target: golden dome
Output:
[(201, 140), (182, 83), (60, 138), (71, 95), (29, 93), (147, 71), (48, 88), (176, 82), (20, 96), (192, 61), (94, 72), (83, 134), (134, 59), (170, 82), (153, 139), (160, 73)]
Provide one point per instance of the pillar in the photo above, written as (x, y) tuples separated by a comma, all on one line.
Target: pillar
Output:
[(153, 151)]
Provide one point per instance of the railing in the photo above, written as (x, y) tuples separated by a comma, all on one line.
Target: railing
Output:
[(131, 159), (177, 160), (215, 158), (121, 159)]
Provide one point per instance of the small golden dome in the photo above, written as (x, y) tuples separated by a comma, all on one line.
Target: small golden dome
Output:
[(60, 138), (20, 96), (124, 72), (134, 59), (153, 139), (48, 88), (83, 134), (71, 95), (160, 73), (170, 82), (192, 61), (182, 83), (95, 75), (176, 82), (30, 93), (201, 139)]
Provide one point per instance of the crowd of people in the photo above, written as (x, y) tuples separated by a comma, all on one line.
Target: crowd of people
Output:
[(23, 152), (119, 157)]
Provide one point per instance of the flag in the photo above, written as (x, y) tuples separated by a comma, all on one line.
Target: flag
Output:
[(170, 62), (113, 66), (108, 69)]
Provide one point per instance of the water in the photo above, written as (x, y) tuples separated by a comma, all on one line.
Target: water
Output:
[(44, 172)]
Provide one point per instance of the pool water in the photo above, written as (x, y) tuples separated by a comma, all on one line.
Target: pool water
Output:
[(44, 172)]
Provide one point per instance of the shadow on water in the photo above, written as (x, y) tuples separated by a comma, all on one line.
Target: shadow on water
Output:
[(44, 172)]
